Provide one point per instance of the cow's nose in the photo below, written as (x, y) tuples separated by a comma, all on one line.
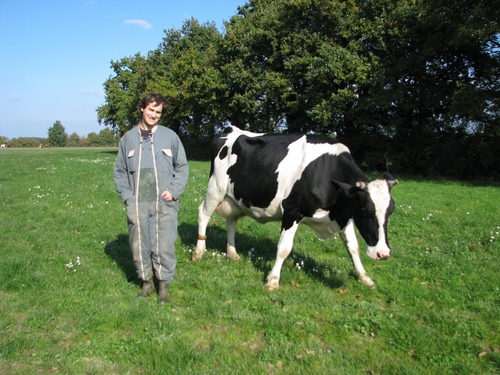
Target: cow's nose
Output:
[(383, 256)]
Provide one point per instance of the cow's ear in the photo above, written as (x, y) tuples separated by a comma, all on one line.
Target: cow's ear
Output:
[(343, 187), (361, 185), (391, 181)]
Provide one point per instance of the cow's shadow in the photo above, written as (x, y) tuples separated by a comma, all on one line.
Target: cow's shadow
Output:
[(261, 252)]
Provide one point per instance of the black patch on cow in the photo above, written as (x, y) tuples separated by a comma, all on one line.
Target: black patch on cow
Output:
[(365, 218), (314, 190), (223, 152), (389, 211), (219, 149), (254, 173), (310, 193), (316, 139)]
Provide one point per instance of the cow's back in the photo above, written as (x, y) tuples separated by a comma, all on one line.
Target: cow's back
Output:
[(260, 170), (254, 171)]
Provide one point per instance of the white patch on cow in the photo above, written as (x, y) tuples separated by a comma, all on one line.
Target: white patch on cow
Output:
[(290, 168), (285, 245), (379, 193), (237, 132), (321, 224), (348, 235)]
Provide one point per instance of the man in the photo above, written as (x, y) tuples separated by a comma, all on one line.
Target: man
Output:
[(151, 172)]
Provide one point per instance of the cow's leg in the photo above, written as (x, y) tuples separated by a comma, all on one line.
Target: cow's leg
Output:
[(204, 214), (215, 195), (228, 209), (205, 210), (231, 233), (284, 248), (348, 235)]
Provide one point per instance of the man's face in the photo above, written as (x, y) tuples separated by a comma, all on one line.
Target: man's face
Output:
[(151, 114)]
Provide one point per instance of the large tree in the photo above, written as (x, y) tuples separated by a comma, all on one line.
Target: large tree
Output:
[(57, 135), (394, 80), (183, 69), (122, 94), (293, 65), (437, 85), (74, 140)]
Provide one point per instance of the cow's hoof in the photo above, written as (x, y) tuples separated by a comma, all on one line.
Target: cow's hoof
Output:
[(195, 255), (271, 288), (368, 282), (272, 284), (232, 256)]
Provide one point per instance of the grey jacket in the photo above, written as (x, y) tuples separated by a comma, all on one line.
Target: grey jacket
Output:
[(171, 164)]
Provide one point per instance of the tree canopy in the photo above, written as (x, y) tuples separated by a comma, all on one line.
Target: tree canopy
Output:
[(57, 135), (411, 86)]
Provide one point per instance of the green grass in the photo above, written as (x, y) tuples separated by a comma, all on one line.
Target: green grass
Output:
[(68, 286)]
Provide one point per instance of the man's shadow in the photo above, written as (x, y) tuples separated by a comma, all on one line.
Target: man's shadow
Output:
[(119, 251)]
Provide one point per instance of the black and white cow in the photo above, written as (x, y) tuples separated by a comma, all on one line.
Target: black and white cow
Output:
[(295, 179)]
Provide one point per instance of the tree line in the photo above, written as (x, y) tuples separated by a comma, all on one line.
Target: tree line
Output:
[(57, 137), (409, 86)]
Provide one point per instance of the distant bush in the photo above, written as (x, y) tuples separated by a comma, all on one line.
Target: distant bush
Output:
[(25, 142)]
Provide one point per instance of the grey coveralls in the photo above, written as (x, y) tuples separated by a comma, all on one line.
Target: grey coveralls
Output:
[(144, 168)]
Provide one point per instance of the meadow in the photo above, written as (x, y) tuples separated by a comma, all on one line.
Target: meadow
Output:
[(68, 285)]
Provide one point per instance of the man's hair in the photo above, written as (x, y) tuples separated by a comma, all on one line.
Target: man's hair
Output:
[(153, 97)]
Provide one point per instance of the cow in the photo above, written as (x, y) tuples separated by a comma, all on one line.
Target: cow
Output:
[(295, 178)]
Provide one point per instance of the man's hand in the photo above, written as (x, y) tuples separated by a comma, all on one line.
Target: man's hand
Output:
[(167, 196)]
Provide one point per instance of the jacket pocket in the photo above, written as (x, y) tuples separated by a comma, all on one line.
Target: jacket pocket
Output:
[(132, 161), (169, 208)]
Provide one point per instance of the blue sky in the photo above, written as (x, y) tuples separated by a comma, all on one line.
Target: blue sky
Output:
[(55, 54)]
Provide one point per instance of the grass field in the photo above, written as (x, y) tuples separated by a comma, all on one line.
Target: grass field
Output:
[(68, 287)]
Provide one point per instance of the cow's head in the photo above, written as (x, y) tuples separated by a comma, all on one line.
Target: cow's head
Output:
[(372, 206)]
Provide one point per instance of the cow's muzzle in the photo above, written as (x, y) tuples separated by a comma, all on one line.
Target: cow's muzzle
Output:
[(378, 252), (382, 256)]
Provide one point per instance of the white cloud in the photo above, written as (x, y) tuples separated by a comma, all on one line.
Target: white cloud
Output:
[(141, 23), (14, 96)]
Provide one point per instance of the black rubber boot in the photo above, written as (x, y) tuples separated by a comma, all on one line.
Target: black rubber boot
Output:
[(163, 296), (148, 287)]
